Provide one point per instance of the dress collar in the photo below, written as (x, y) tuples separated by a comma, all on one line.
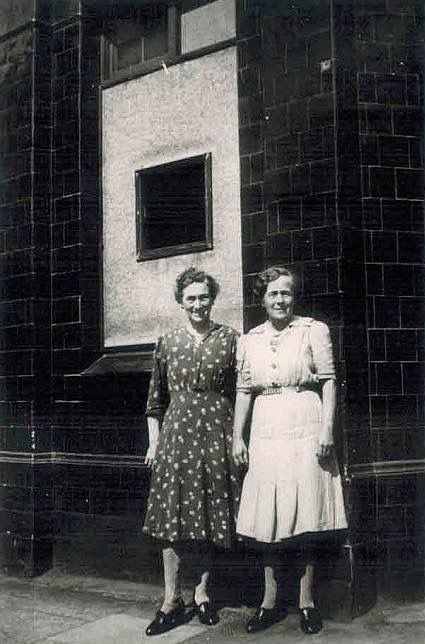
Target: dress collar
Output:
[(267, 328), (201, 338)]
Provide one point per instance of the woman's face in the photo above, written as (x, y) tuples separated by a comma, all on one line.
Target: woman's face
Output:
[(197, 302), (279, 299)]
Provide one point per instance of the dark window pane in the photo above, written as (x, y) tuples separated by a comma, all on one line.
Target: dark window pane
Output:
[(173, 202), (134, 35), (156, 40), (129, 53)]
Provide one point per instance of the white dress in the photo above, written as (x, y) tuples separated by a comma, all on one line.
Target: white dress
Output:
[(286, 491)]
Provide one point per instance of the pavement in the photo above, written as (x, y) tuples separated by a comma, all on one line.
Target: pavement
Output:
[(64, 609)]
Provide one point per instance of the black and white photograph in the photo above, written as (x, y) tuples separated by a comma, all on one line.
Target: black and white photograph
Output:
[(212, 322)]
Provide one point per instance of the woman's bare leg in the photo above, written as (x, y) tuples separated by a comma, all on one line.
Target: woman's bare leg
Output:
[(201, 590), (270, 587), (270, 583), (306, 587), (204, 566), (172, 578)]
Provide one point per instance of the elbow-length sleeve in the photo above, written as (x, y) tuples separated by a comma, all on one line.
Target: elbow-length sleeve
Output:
[(244, 381), (158, 396), (321, 346)]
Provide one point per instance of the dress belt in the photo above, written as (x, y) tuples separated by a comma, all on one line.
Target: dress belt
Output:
[(195, 389), (279, 389)]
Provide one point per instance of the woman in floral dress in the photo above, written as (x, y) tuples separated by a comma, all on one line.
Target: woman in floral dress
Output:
[(190, 413), (292, 487)]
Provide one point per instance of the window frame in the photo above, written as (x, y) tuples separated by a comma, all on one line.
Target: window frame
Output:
[(143, 254), (109, 72)]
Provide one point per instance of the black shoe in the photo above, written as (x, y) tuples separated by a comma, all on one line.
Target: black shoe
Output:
[(262, 619), (207, 614), (164, 622), (310, 620)]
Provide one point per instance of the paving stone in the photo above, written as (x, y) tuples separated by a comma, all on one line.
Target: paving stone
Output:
[(117, 629), (405, 614)]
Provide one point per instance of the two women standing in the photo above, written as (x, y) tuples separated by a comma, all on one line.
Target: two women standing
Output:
[(292, 486)]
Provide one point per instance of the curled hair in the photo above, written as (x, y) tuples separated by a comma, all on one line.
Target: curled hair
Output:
[(269, 275), (191, 275)]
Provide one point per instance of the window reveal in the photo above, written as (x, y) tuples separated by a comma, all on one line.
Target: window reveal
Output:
[(173, 208)]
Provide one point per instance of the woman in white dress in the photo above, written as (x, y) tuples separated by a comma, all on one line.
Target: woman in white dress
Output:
[(292, 486)]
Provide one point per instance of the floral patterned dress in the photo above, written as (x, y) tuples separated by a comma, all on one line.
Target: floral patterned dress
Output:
[(194, 484)]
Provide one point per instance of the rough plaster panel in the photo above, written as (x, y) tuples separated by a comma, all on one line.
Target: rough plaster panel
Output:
[(208, 25), (189, 109), (14, 13)]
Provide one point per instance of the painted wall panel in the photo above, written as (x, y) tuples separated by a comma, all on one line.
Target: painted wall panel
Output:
[(208, 25), (180, 112)]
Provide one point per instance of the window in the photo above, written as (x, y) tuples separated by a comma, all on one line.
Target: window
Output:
[(134, 36), (173, 208)]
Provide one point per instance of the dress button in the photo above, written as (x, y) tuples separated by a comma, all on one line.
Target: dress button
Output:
[(273, 365)]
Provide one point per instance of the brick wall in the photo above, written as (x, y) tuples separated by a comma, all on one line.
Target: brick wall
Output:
[(25, 303), (389, 82)]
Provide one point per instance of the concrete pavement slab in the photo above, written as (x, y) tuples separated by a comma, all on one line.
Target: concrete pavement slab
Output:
[(33, 613), (122, 629), (406, 614), (368, 629), (117, 588), (22, 623)]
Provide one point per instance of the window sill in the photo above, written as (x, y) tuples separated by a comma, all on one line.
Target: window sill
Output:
[(121, 362), (183, 249)]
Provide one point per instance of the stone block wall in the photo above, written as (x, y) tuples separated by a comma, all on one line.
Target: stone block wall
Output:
[(24, 293), (388, 69)]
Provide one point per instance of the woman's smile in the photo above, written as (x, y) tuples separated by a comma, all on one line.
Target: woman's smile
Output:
[(197, 303), (279, 299)]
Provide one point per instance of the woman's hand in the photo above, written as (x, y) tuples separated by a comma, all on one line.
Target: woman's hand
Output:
[(150, 455), (326, 445), (239, 452), (326, 441), (239, 449), (154, 427)]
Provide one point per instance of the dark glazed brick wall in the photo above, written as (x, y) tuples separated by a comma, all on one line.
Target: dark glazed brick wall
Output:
[(25, 297), (386, 67), (288, 172), (389, 82)]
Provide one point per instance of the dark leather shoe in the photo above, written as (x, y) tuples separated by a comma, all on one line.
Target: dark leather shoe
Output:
[(310, 620), (164, 622), (207, 613), (262, 619)]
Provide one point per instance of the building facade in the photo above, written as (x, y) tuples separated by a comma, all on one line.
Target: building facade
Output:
[(297, 126)]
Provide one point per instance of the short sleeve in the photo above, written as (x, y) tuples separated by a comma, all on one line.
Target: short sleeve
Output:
[(244, 382), (321, 346), (158, 396)]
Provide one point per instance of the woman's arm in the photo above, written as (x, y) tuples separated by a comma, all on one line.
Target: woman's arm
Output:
[(154, 426), (326, 439), (239, 451), (158, 398)]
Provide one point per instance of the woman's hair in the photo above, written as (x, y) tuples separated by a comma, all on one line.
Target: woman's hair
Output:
[(269, 275), (191, 275)]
